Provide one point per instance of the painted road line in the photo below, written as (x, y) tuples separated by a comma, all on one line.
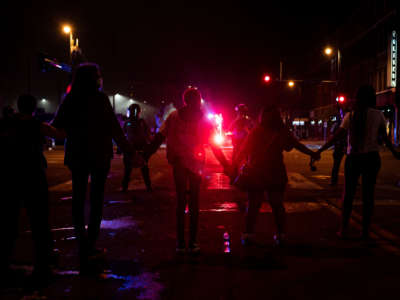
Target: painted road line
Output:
[(377, 233), (386, 187), (219, 181), (62, 187), (381, 203), (290, 207), (298, 181)]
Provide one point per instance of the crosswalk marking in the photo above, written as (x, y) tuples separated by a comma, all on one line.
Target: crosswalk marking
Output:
[(219, 181), (65, 186), (390, 243)]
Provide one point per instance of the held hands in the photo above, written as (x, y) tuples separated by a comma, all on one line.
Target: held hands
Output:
[(315, 155)]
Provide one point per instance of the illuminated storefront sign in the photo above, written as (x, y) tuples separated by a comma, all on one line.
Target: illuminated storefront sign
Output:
[(393, 59)]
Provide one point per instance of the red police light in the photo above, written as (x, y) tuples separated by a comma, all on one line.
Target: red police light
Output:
[(267, 78), (340, 99), (68, 88), (219, 139)]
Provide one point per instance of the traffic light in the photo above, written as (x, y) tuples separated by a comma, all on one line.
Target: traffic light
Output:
[(267, 78)]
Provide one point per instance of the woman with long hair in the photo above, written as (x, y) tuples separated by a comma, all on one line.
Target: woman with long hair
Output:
[(90, 125), (263, 151), (363, 126)]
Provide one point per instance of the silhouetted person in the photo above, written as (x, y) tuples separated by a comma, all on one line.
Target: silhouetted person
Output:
[(240, 127), (339, 151), (24, 182), (90, 124), (138, 135), (363, 126), (262, 150), (186, 131)]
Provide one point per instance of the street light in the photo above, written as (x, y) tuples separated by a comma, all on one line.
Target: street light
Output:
[(67, 29), (73, 45), (291, 83), (328, 51)]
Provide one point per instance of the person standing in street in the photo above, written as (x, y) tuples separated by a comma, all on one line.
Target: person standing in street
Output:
[(240, 127), (24, 184), (90, 125), (262, 151), (138, 135), (363, 126), (187, 131)]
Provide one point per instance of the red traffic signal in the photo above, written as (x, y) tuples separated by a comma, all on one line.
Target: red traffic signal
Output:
[(340, 99), (267, 78)]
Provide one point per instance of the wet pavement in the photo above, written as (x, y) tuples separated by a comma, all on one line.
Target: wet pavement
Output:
[(138, 231)]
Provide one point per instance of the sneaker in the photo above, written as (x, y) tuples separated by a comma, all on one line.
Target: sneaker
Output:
[(194, 248)]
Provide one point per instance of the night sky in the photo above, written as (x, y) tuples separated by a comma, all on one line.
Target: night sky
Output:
[(154, 49)]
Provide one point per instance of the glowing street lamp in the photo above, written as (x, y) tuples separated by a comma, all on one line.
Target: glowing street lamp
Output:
[(336, 63), (291, 83), (73, 44), (328, 51), (67, 29)]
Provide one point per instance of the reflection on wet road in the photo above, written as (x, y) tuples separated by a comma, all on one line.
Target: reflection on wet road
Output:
[(290, 207)]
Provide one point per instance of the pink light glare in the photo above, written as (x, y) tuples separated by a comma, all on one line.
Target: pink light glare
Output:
[(218, 139)]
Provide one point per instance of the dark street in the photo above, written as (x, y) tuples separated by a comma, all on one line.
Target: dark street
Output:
[(138, 232)]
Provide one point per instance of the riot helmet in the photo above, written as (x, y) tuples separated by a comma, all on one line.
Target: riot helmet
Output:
[(134, 110)]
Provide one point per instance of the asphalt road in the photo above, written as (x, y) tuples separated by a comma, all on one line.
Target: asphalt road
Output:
[(138, 231)]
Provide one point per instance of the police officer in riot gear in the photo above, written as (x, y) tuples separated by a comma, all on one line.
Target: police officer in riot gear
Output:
[(138, 135)]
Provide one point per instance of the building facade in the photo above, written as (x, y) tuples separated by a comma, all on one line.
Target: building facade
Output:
[(366, 52)]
